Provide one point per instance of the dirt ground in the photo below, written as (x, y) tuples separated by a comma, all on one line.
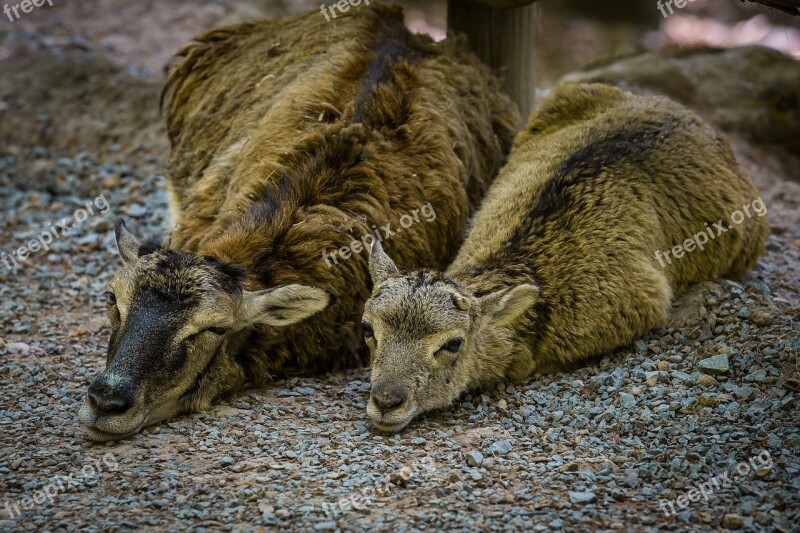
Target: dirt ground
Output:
[(602, 448)]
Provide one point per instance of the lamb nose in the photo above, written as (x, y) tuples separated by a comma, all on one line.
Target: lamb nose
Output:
[(107, 401), (388, 397)]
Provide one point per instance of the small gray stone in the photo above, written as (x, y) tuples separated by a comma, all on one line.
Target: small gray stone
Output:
[(716, 364), (681, 376), (627, 400), (582, 497), (475, 458), (732, 521), (501, 447)]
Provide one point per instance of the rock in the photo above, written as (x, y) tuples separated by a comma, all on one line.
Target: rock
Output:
[(764, 519), (654, 376), (762, 317), (501, 447), (474, 458), (223, 411), (706, 381), (627, 400), (78, 332), (136, 210), (400, 477), (640, 346), (732, 521), (227, 461), (763, 472), (681, 376), (582, 497), (18, 347), (716, 364)]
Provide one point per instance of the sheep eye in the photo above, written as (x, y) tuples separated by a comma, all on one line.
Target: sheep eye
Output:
[(368, 331), (453, 346), (218, 331), (111, 300)]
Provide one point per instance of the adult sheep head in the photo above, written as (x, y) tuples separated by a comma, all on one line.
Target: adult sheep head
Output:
[(175, 316)]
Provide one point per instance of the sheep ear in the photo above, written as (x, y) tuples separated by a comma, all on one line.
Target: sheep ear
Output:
[(284, 305), (127, 245), (381, 265), (503, 307)]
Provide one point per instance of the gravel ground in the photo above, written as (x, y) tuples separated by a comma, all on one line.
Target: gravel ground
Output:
[(709, 400)]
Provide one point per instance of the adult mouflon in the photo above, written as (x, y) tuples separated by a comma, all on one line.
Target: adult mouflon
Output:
[(291, 139), (562, 261)]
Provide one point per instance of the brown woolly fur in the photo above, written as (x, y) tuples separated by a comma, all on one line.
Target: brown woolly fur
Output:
[(561, 262), (292, 139)]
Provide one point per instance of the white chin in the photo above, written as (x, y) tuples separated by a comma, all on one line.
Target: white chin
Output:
[(394, 422), (108, 428)]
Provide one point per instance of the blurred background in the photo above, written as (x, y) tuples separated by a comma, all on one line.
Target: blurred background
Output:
[(60, 62)]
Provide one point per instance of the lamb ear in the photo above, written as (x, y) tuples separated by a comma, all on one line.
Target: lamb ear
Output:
[(127, 244), (381, 265), (284, 305), (503, 307)]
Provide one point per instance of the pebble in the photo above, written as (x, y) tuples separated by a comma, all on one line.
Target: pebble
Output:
[(582, 497), (627, 400), (501, 447), (714, 365), (607, 440), (706, 381), (474, 458), (732, 521)]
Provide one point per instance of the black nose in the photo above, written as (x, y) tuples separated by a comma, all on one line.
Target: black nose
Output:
[(388, 396), (108, 400)]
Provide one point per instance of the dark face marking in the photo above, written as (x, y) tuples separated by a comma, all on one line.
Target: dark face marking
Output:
[(168, 323), (145, 343)]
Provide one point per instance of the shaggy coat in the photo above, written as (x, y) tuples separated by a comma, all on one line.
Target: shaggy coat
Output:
[(599, 183), (562, 261), (297, 137), (294, 144)]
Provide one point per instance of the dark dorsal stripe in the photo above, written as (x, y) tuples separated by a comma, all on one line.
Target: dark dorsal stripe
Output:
[(394, 43)]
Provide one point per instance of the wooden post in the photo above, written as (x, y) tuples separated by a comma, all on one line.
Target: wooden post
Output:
[(503, 34)]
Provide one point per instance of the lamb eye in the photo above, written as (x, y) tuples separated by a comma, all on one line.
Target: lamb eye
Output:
[(111, 300), (218, 331), (368, 331), (453, 346)]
